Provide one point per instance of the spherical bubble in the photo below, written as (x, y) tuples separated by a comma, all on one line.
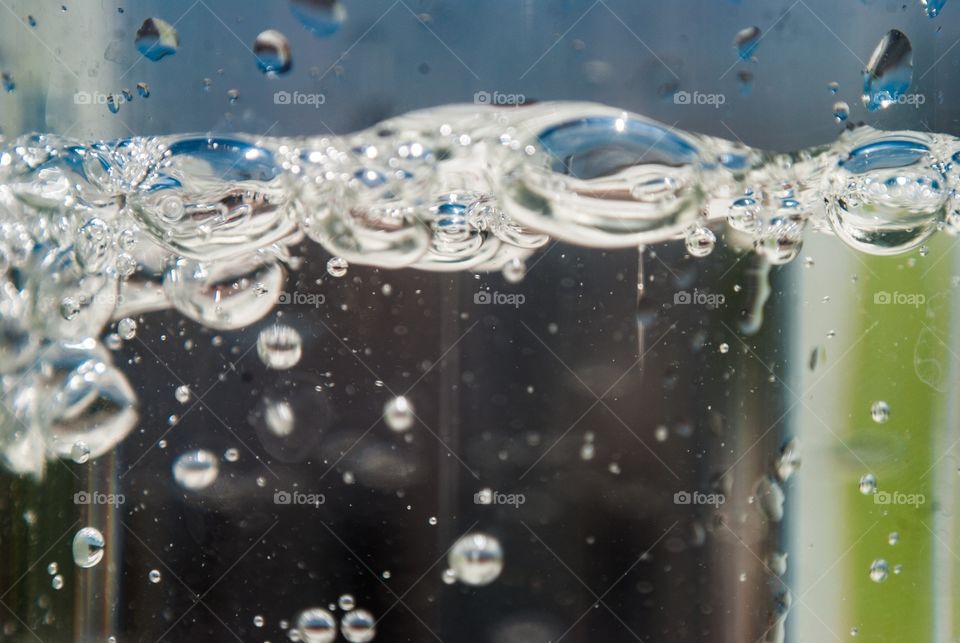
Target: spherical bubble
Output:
[(358, 626), (154, 576), (337, 267), (182, 393), (868, 484), (700, 241), (80, 452), (316, 625), (196, 470), (88, 547), (398, 413), (476, 559), (272, 50), (880, 411), (879, 570), (514, 270), (279, 347), (346, 602)]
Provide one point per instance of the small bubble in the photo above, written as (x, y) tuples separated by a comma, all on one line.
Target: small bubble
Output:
[(273, 52), (233, 95), (182, 394), (231, 455), (57, 582), (868, 484), (878, 571), (358, 626), (144, 90), (432, 520), (154, 576), (700, 241), (893, 538), (127, 328), (346, 602), (880, 411), (88, 547), (258, 621), (337, 267), (80, 452), (398, 413), (724, 348), (52, 568), (514, 270)]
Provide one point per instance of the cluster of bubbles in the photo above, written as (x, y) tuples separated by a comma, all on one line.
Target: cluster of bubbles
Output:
[(99, 233)]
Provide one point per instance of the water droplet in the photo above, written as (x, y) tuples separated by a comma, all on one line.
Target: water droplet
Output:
[(346, 602), (88, 547), (154, 576), (273, 52), (337, 267), (746, 42), (889, 72), (80, 452), (358, 626), (398, 413), (476, 559), (127, 328), (182, 393), (316, 625), (841, 111), (321, 17), (880, 411), (878, 571), (700, 241), (868, 484), (279, 347), (196, 470), (157, 38)]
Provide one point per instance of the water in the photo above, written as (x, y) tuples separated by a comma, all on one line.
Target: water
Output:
[(318, 296)]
